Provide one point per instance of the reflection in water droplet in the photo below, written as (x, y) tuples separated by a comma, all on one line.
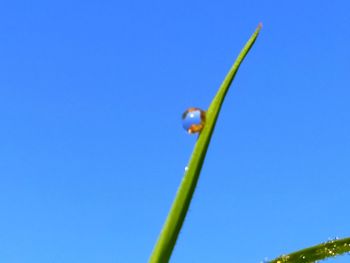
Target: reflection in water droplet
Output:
[(193, 120), (186, 168)]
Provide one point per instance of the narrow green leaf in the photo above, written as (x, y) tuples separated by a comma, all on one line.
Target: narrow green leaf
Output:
[(168, 236), (322, 251)]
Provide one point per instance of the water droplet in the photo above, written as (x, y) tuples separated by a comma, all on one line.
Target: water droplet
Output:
[(193, 120), (266, 260), (186, 168), (302, 257), (284, 258)]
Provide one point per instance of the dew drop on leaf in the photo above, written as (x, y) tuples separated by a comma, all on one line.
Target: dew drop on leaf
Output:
[(193, 120)]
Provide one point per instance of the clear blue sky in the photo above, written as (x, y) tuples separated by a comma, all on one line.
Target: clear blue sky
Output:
[(92, 148)]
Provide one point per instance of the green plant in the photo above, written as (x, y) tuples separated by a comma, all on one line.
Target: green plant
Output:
[(170, 231)]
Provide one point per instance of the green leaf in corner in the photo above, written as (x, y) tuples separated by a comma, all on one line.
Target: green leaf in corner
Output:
[(329, 249)]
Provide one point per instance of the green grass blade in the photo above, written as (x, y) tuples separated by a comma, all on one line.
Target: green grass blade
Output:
[(168, 236), (322, 251)]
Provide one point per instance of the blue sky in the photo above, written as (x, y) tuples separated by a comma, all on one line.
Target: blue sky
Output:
[(92, 146)]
